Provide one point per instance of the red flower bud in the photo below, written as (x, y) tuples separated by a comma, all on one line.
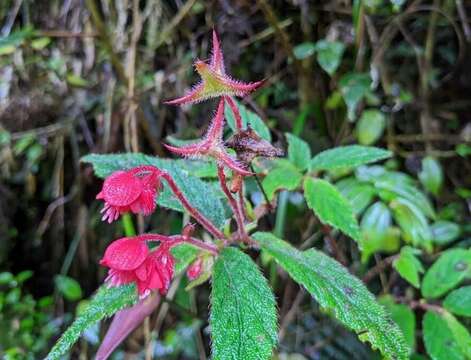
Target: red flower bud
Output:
[(130, 261), (133, 190), (194, 270)]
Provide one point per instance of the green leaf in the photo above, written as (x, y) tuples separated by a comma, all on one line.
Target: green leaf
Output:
[(329, 55), (431, 175), (68, 287), (243, 316), (184, 255), (248, 117), (408, 266), (354, 87), (331, 207), (459, 301), (403, 316), (347, 157), (285, 176), (439, 340), (389, 182), (304, 50), (359, 194), (370, 127), (340, 292), (377, 232), (299, 152), (413, 223), (445, 337), (200, 194), (444, 232), (105, 303), (451, 268)]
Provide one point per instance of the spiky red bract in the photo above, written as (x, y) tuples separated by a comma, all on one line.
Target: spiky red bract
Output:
[(195, 269), (130, 261), (212, 145), (214, 80), (132, 190)]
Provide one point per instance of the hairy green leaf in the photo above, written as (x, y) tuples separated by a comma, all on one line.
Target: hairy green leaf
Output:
[(285, 176), (331, 207), (347, 157), (299, 152), (105, 303), (340, 292), (408, 266), (451, 268), (459, 301), (200, 194), (359, 194), (329, 55), (354, 87), (243, 310)]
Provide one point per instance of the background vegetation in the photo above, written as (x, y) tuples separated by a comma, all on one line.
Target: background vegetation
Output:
[(89, 76)]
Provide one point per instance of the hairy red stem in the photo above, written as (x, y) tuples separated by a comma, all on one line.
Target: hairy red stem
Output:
[(179, 239), (233, 203), (207, 224), (235, 110)]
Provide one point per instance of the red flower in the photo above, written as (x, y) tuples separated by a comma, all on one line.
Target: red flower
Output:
[(130, 260), (212, 145), (133, 190), (214, 80)]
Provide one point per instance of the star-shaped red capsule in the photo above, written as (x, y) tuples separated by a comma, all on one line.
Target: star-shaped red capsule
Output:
[(212, 145), (214, 80)]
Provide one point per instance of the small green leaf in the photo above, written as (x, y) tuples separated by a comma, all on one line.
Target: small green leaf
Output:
[(354, 87), (199, 193), (460, 334), (377, 232), (408, 266), (248, 117), (403, 316), (444, 232), (331, 207), (105, 303), (370, 127), (243, 316), (337, 290), (304, 50), (359, 194), (347, 157), (68, 287), (76, 80), (431, 175), (184, 255), (413, 223), (284, 176), (329, 55), (299, 152), (459, 301), (451, 268), (439, 340)]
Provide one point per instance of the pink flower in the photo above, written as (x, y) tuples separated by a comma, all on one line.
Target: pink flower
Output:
[(195, 269), (130, 261), (214, 80), (132, 190), (212, 145)]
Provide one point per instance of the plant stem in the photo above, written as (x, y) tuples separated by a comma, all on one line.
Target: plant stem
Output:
[(207, 224), (239, 216), (235, 110), (179, 239)]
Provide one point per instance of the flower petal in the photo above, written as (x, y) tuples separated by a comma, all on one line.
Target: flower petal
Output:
[(121, 188), (125, 254)]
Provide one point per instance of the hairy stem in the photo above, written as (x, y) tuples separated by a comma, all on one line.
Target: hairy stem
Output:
[(235, 110), (179, 239), (233, 203), (207, 224)]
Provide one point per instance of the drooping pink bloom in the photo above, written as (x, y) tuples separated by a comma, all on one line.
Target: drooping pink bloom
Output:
[(130, 261), (132, 190), (195, 269), (212, 145), (214, 80)]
